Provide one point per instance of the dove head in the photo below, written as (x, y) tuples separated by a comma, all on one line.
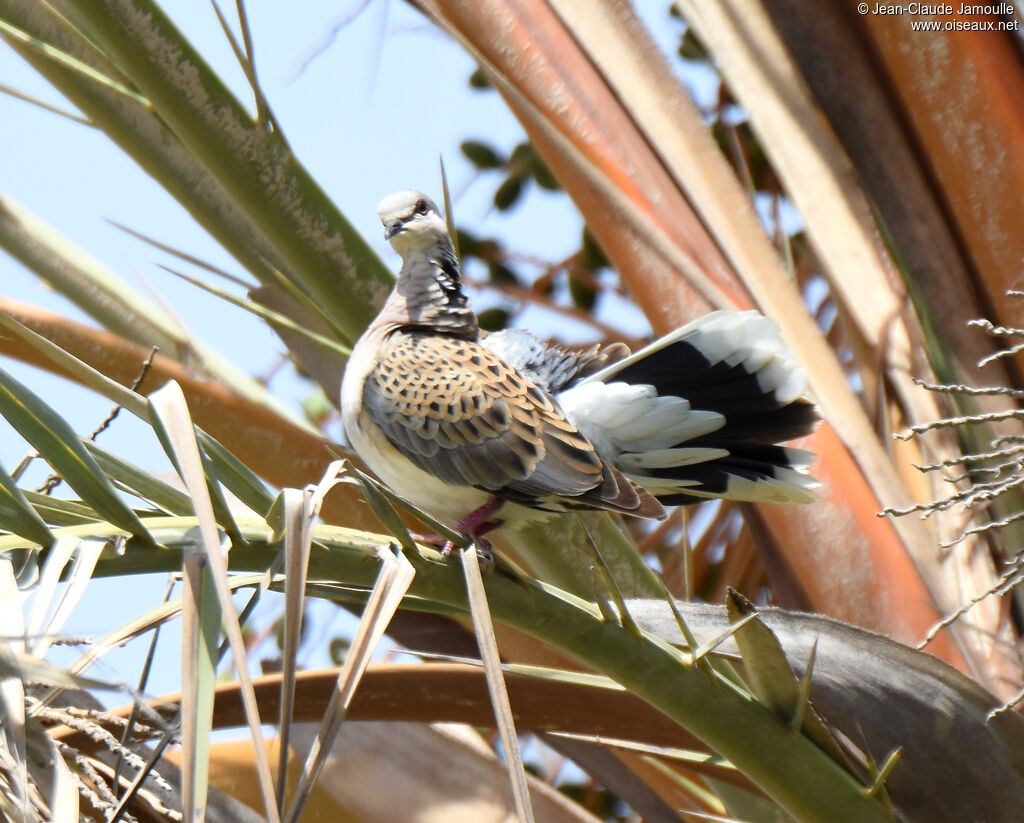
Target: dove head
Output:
[(411, 221), (428, 292)]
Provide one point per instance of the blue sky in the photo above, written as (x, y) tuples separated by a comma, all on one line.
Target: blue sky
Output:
[(370, 114)]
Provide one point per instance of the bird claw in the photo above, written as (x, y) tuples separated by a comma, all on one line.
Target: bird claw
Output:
[(483, 548), (474, 526), (435, 541), (484, 552)]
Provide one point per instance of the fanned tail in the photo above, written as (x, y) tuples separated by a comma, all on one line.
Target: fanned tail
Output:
[(701, 413)]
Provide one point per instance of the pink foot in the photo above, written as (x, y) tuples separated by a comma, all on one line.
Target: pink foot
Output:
[(475, 525), (435, 541)]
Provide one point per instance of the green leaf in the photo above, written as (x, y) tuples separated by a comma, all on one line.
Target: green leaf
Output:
[(320, 250), (468, 244), (543, 175), (508, 192), (201, 619), (337, 649), (726, 718), (690, 48), (481, 155), (82, 372), (317, 407), (582, 293), (483, 629), (207, 562), (771, 678), (501, 275), (592, 256), (17, 514), (522, 157), (86, 282), (239, 179), (169, 425), (493, 319), (478, 80), (67, 60), (237, 478), (61, 447), (115, 304), (275, 318), (141, 483), (221, 509), (59, 512), (487, 249)]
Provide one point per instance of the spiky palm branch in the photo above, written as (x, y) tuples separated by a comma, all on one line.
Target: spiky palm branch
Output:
[(614, 127)]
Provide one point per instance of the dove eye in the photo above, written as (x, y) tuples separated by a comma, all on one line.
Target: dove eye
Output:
[(421, 207)]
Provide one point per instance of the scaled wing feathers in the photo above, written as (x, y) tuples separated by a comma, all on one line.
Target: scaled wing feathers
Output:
[(549, 365), (458, 410)]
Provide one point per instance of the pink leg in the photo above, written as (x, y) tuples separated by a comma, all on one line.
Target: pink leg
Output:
[(476, 524)]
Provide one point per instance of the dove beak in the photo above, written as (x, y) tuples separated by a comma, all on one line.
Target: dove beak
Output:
[(393, 227)]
